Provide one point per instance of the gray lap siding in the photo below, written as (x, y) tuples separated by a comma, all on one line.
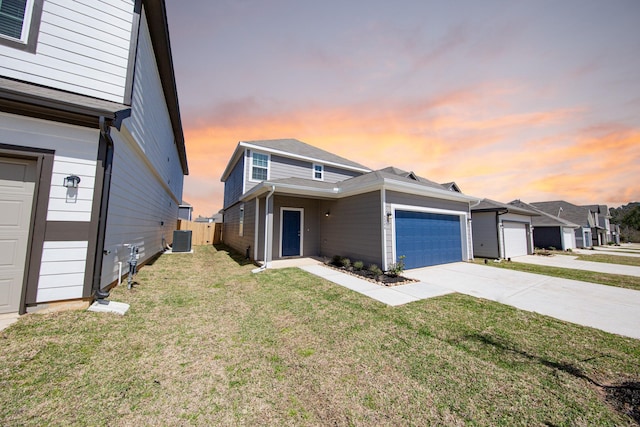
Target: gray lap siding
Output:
[(311, 231), (353, 228), (231, 230)]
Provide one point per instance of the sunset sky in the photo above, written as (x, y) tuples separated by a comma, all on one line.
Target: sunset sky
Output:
[(536, 100)]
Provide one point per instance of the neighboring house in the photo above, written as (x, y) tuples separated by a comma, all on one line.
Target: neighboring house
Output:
[(550, 231), (588, 232), (603, 232), (185, 211), (92, 154), (501, 230), (615, 233), (284, 198)]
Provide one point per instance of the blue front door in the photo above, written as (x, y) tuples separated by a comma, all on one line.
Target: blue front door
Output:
[(427, 238), (291, 221)]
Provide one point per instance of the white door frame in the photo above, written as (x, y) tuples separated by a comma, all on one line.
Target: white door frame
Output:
[(301, 210)]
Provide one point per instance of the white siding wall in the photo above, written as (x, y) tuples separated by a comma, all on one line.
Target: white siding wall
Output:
[(62, 270), (76, 148), (83, 47), (146, 183)]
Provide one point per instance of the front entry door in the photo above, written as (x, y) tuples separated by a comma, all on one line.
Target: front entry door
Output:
[(291, 232), (17, 184)]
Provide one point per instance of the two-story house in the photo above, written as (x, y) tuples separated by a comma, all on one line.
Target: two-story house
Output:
[(92, 154), (284, 198)]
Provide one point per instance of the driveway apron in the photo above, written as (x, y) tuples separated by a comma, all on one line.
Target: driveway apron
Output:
[(611, 309)]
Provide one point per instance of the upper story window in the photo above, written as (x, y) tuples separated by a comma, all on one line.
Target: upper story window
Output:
[(19, 23), (318, 172), (259, 166)]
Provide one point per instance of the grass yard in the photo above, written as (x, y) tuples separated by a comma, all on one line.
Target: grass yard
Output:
[(609, 259), (629, 282), (206, 342)]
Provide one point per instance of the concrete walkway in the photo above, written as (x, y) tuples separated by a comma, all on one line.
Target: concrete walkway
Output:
[(608, 308), (569, 261), (610, 250), (8, 319)]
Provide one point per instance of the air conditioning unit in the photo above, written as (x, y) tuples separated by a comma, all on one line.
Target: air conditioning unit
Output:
[(181, 241)]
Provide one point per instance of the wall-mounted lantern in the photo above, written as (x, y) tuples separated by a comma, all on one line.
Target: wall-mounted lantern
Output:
[(389, 216), (327, 213), (71, 181)]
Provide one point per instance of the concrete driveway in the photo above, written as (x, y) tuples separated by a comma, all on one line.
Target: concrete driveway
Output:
[(611, 309), (569, 261)]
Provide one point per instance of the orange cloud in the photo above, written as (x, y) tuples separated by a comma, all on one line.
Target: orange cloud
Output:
[(448, 137)]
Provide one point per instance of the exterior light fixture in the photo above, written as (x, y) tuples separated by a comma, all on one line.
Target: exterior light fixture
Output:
[(327, 213), (389, 215), (71, 181)]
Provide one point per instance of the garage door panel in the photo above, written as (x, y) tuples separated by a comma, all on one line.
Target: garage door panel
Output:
[(428, 239), (515, 239), (17, 178)]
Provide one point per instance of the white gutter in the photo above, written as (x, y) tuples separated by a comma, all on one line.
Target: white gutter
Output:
[(266, 230)]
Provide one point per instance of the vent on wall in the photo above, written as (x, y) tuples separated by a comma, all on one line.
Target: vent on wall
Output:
[(181, 241)]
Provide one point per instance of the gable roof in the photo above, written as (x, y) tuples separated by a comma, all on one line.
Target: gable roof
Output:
[(544, 219), (488, 205), (580, 215), (293, 148), (452, 186)]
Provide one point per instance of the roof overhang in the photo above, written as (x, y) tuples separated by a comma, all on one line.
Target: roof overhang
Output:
[(52, 104), (337, 192), (159, 30)]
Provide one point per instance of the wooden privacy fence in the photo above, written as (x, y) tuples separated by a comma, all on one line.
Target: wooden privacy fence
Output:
[(202, 233)]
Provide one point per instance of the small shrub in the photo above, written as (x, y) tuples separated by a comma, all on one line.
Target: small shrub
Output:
[(375, 269), (569, 250), (552, 248), (358, 265), (397, 268), (336, 260), (345, 262)]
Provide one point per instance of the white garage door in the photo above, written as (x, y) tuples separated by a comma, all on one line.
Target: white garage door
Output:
[(568, 237), (17, 183), (515, 239)]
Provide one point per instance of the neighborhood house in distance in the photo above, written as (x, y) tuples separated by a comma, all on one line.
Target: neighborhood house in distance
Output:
[(92, 154), (284, 198)]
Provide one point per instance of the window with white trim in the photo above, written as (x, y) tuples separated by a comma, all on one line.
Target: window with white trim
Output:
[(318, 172), (259, 166), (241, 222), (20, 23)]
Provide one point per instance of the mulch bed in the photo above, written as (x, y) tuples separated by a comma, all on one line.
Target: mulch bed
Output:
[(382, 279)]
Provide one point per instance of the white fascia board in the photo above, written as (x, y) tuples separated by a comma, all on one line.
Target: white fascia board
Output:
[(299, 157), (265, 187), (232, 162)]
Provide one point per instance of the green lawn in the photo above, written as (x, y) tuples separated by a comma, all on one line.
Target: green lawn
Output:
[(609, 259), (206, 342), (629, 282)]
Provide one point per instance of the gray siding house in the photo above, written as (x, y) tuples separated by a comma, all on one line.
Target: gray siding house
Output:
[(550, 231), (501, 230), (590, 232), (284, 198)]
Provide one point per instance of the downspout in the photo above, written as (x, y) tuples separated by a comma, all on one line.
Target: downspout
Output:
[(266, 229), (107, 156), (105, 129)]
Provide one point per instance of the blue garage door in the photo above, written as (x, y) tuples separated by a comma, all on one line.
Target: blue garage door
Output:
[(428, 239)]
